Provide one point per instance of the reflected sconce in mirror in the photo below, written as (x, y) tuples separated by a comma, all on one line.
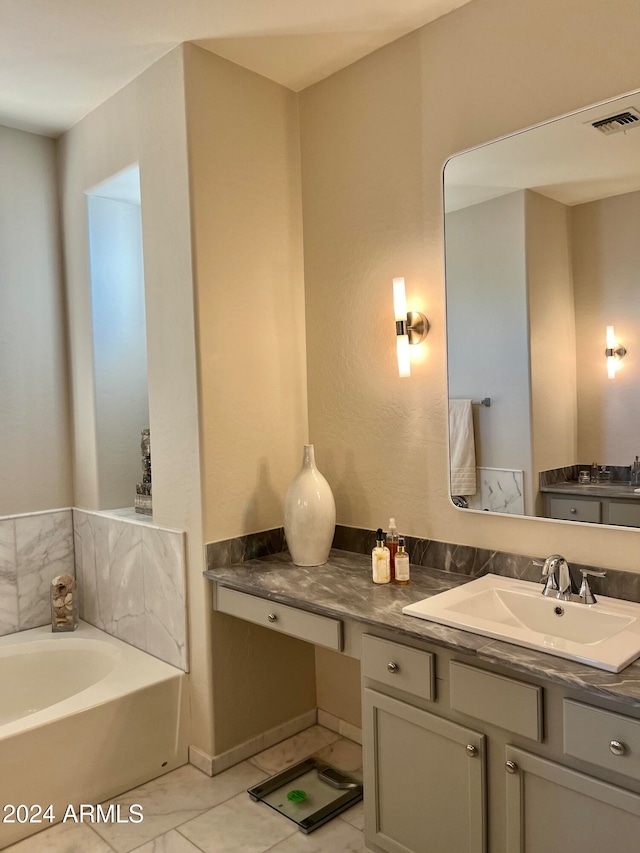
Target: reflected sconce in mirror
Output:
[(412, 327), (614, 352)]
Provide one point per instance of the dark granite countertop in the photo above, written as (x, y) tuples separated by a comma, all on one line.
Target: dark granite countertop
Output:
[(342, 588), (594, 490)]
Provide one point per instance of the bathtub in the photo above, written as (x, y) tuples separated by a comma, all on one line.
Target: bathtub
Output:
[(83, 718)]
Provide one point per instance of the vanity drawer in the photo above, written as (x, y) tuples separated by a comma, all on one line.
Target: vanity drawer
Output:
[(625, 514), (399, 666), (572, 509), (321, 630), (504, 702), (601, 737)]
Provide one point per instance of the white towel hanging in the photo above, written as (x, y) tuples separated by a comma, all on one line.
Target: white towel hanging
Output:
[(462, 449)]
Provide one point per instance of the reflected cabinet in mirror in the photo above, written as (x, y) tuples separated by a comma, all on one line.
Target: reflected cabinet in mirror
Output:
[(542, 237)]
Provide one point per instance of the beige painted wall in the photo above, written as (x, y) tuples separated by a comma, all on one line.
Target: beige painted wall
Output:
[(553, 334), (606, 257), (247, 240), (35, 447), (145, 123), (374, 140), (244, 154), (338, 685)]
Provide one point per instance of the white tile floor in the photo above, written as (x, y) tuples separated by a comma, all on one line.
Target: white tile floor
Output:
[(188, 812)]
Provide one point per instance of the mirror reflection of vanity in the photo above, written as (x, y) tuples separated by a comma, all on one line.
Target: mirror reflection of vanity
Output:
[(542, 240)]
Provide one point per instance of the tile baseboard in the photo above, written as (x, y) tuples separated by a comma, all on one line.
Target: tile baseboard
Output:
[(214, 764)]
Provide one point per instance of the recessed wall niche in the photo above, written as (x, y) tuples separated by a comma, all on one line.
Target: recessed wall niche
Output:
[(119, 334)]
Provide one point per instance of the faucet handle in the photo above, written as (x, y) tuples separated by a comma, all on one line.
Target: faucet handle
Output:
[(586, 596)]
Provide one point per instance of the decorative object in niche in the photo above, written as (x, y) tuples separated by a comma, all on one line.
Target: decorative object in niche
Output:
[(309, 514), (541, 246), (143, 490), (412, 327)]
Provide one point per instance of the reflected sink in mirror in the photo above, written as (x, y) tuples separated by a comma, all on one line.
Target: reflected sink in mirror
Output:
[(605, 635)]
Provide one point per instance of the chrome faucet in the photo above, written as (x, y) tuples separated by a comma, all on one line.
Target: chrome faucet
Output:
[(559, 584)]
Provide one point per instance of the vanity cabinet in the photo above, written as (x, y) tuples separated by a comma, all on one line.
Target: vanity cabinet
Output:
[(597, 510), (424, 780), (487, 762), (551, 807)]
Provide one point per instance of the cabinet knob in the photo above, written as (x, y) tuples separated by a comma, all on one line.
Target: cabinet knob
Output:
[(472, 750), (272, 617), (617, 748), (511, 767), (392, 667), (573, 510)]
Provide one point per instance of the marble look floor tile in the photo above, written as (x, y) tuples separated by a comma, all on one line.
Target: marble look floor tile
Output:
[(355, 815), (170, 842), (173, 799), (330, 838), (62, 838), (294, 749), (345, 755), (238, 826)]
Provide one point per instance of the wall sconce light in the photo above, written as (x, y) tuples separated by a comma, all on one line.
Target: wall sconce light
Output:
[(614, 352), (412, 327)]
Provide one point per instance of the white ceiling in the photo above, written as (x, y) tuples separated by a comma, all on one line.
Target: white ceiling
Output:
[(566, 160), (59, 59)]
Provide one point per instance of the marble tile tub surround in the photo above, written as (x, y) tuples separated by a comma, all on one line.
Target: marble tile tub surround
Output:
[(34, 547), (131, 578)]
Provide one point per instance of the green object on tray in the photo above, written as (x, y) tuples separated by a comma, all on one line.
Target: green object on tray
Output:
[(297, 796)]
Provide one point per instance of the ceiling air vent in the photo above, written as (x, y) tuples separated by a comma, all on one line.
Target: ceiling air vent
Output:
[(619, 122)]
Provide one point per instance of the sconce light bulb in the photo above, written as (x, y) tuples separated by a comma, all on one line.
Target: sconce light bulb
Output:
[(611, 338), (611, 367), (404, 356), (399, 299)]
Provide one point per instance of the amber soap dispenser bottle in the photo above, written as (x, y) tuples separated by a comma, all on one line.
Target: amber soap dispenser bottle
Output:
[(392, 545)]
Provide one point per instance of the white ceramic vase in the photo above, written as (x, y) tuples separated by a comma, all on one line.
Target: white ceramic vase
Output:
[(309, 514)]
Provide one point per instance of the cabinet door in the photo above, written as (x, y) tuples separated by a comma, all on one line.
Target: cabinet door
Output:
[(553, 808), (424, 780)]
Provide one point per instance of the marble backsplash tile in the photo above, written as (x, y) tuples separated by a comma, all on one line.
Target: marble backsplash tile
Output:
[(475, 562), (132, 581), (34, 548), (249, 547)]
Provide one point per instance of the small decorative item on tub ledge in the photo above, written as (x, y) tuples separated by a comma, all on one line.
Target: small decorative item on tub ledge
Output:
[(143, 490), (64, 604), (309, 514)]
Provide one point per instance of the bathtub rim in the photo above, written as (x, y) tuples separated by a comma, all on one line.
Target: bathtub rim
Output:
[(134, 671)]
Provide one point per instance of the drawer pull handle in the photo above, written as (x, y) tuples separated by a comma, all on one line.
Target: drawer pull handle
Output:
[(393, 667), (272, 617), (617, 748), (573, 510), (511, 767), (472, 750)]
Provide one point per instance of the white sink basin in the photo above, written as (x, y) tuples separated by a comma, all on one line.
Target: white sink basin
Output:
[(605, 635)]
